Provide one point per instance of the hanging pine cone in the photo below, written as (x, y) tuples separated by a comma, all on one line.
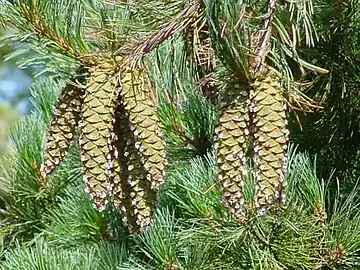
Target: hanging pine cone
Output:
[(144, 123), (62, 128), (96, 129), (270, 141), (230, 143), (131, 191)]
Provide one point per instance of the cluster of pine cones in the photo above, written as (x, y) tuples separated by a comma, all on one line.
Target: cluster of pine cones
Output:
[(252, 115), (122, 146), (123, 150)]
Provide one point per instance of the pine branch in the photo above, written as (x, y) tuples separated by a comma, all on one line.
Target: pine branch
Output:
[(198, 50), (262, 47), (42, 256), (182, 21)]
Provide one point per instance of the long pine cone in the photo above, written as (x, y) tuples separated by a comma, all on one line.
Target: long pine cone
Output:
[(132, 193), (96, 129), (231, 136), (62, 128), (144, 123), (270, 141)]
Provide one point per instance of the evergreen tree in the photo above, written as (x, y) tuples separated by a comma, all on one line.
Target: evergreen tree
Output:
[(168, 147)]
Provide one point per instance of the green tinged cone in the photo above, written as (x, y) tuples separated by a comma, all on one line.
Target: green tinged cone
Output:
[(231, 136), (144, 123), (132, 194), (96, 129), (270, 141), (62, 128)]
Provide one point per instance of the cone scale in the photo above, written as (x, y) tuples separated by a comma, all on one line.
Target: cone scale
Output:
[(139, 151), (256, 115), (121, 143)]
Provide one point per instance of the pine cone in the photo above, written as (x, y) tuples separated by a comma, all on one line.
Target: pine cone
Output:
[(96, 129), (230, 144), (132, 193), (63, 127), (270, 141), (144, 123)]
